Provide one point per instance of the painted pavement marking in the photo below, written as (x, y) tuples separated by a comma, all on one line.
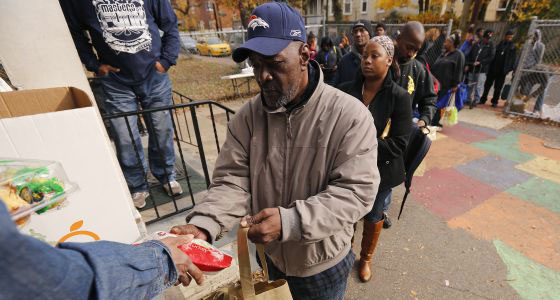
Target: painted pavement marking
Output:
[(448, 193), (531, 280), (448, 152), (494, 170), (543, 167), (536, 146), (465, 134), (530, 229), (540, 191), (505, 146)]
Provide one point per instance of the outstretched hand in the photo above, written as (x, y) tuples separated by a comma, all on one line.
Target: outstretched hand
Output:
[(190, 229), (182, 261)]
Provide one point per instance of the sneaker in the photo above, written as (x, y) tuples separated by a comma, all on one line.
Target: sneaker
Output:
[(176, 188), (386, 221), (139, 199)]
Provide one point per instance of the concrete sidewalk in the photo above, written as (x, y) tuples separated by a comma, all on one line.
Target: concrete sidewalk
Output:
[(482, 222)]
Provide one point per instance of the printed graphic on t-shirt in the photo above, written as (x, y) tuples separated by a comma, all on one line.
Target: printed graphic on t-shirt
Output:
[(124, 25)]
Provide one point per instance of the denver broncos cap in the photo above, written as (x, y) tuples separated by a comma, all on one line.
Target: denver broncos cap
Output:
[(272, 27)]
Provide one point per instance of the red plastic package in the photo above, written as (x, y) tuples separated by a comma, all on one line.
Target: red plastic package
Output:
[(205, 256)]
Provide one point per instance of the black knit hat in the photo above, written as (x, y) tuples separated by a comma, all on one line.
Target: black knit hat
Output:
[(509, 32), (365, 24)]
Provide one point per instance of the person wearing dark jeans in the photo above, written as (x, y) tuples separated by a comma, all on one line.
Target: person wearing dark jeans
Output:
[(478, 63), (501, 65), (391, 108), (132, 58)]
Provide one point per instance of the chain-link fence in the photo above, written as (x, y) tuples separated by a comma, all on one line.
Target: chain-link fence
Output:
[(519, 28), (335, 31), (535, 87)]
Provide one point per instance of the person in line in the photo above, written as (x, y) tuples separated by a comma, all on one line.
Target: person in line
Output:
[(391, 108), (133, 68), (530, 79), (350, 63), (380, 29), (479, 60), (344, 45), (471, 77), (501, 65), (414, 77), (32, 269), (416, 80), (467, 45), (448, 69), (328, 59), (300, 158)]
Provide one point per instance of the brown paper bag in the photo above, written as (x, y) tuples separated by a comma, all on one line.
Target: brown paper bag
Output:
[(246, 290)]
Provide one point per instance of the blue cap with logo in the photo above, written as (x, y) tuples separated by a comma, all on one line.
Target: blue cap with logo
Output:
[(272, 27)]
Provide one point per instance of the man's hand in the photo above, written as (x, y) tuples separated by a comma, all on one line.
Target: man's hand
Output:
[(190, 229), (476, 63), (160, 68), (185, 266), (105, 69), (466, 69), (264, 227), (421, 123)]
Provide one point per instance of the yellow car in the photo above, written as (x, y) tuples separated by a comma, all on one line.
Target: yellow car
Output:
[(213, 47)]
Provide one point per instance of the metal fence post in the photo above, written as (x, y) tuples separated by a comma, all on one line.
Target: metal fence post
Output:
[(449, 27), (517, 75)]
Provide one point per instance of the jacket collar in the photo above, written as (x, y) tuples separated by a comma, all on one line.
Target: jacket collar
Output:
[(313, 98), (359, 83)]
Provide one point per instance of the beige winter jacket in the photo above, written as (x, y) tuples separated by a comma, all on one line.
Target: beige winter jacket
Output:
[(317, 163)]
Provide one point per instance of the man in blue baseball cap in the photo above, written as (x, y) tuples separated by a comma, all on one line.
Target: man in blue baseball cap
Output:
[(299, 163)]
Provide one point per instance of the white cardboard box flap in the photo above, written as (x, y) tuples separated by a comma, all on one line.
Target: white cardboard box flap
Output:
[(68, 130)]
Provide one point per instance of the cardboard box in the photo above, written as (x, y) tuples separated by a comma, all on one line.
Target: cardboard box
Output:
[(61, 124)]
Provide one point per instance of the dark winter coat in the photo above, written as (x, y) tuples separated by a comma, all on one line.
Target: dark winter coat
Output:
[(504, 58), (448, 69), (416, 80), (390, 103), (347, 68), (483, 53)]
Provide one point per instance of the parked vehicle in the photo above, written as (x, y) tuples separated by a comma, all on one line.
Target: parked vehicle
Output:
[(213, 47), (188, 45)]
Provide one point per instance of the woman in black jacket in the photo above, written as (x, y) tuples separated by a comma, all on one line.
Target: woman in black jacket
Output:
[(448, 69), (391, 108)]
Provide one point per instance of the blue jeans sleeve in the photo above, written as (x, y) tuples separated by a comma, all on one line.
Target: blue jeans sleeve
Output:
[(99, 270)]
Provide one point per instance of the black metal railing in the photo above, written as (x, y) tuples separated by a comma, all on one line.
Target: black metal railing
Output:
[(187, 133)]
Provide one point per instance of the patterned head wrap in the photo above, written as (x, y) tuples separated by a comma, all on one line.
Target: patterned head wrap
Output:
[(385, 42)]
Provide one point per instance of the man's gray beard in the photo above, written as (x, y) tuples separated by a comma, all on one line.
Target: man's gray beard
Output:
[(284, 99)]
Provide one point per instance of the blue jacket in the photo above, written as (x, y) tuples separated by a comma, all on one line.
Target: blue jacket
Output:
[(125, 35), (466, 47), (32, 269)]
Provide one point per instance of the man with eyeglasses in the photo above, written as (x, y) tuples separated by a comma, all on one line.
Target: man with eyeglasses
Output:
[(300, 158)]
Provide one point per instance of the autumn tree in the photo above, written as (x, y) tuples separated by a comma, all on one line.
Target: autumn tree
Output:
[(182, 9), (245, 7), (390, 4), (528, 8)]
